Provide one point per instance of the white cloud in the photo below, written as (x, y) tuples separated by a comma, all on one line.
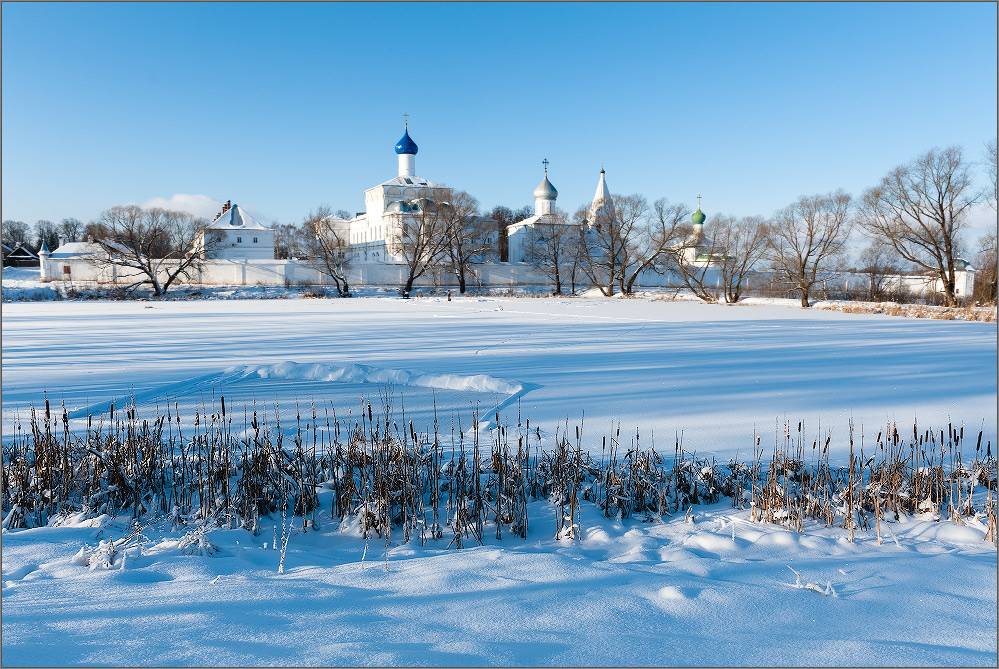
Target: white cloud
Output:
[(199, 205)]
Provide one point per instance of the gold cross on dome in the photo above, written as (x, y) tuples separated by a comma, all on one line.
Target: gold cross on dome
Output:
[(698, 201), (406, 119)]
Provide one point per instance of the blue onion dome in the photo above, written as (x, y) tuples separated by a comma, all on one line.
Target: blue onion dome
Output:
[(406, 145), (545, 190)]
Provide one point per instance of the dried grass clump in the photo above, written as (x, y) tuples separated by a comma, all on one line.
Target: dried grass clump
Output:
[(968, 313), (895, 476), (387, 478)]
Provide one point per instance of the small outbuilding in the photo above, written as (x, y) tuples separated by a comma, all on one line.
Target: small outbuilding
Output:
[(239, 236), (20, 256)]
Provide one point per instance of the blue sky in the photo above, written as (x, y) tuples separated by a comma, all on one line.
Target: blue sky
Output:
[(282, 107)]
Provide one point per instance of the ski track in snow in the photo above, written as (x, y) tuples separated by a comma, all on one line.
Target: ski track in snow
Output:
[(377, 378)]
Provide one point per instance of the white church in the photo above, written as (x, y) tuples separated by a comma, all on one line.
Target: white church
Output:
[(370, 232), (519, 233), (386, 205)]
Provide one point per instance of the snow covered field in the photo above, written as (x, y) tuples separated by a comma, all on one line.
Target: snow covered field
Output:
[(717, 591)]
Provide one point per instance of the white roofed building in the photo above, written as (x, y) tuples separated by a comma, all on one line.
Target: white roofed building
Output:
[(371, 232), (520, 234), (240, 236)]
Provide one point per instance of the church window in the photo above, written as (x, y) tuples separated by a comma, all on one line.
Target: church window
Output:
[(239, 240), (254, 240), (66, 269)]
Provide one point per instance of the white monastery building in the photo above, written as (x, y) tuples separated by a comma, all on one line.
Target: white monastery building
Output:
[(370, 232), (242, 250), (240, 236), (519, 233)]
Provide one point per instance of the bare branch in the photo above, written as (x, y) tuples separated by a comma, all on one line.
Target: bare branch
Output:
[(161, 246), (920, 209), (807, 239), (328, 247)]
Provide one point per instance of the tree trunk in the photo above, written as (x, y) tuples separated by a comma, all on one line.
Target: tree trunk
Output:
[(804, 299), (949, 290)]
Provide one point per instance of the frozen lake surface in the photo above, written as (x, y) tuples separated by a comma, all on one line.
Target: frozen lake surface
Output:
[(714, 373), (710, 589)]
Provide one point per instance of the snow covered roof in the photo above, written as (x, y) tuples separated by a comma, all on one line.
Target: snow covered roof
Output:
[(22, 251), (538, 219), (409, 181), (236, 218), (77, 249)]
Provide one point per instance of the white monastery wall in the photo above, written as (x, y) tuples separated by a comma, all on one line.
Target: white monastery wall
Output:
[(293, 272)]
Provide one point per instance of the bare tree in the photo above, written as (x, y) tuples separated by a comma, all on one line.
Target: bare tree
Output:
[(985, 278), (161, 246), (70, 229), (328, 250), (420, 238), (470, 237), (883, 267), (807, 239), (920, 209), (698, 275), (629, 238), (293, 241), (732, 249), (15, 233), (601, 249), (992, 168), (606, 250), (46, 233), (504, 217), (697, 258), (553, 248), (653, 238), (284, 240), (95, 230)]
